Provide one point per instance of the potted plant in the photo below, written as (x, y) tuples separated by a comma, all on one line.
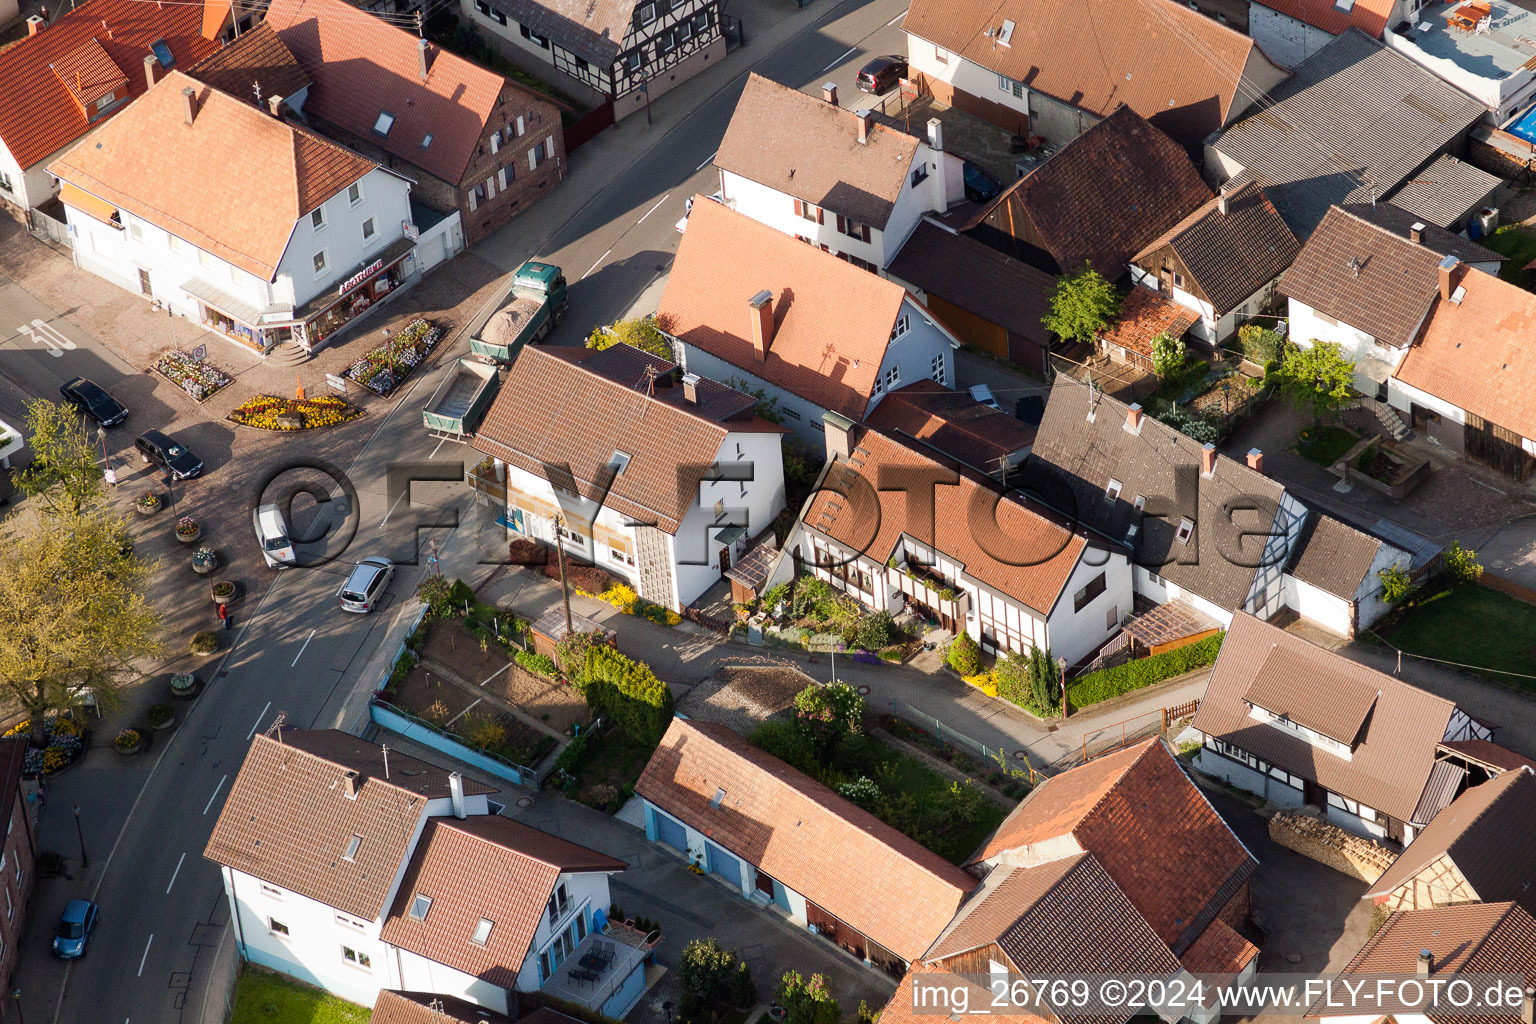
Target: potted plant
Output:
[(161, 716), (184, 685), (223, 591), (204, 560), (188, 529), (205, 643), (147, 503), (129, 742)]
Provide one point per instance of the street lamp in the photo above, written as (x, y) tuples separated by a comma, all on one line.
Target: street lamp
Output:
[(81, 834)]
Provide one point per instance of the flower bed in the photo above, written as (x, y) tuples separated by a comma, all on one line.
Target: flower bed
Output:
[(65, 746), (384, 369), (199, 381), (269, 412)]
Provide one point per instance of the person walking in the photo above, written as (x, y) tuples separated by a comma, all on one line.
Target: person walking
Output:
[(224, 616)]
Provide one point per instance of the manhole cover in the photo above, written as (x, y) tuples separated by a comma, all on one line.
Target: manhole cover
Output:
[(525, 801), (1021, 755), (864, 690)]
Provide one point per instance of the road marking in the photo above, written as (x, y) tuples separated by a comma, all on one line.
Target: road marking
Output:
[(296, 657), (222, 780), (262, 715), (176, 872), (851, 51), (652, 210), (145, 957), (898, 17), (432, 456), (403, 495), (42, 334), (595, 265), (706, 162)]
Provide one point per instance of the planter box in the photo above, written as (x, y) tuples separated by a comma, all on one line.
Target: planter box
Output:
[(392, 720), (1345, 469)]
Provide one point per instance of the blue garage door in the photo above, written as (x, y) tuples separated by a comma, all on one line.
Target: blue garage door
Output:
[(671, 832), (723, 864)]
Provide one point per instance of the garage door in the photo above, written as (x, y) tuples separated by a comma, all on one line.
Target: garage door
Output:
[(723, 864), (671, 832)]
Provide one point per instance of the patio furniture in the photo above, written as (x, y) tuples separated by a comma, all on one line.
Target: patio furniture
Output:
[(584, 976)]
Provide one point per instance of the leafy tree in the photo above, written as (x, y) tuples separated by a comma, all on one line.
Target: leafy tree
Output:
[(1168, 354), (1259, 344), (643, 332), (808, 1002), (1082, 305), (765, 406), (829, 712), (1461, 563), (1317, 379), (72, 613), (706, 975), (64, 471), (963, 655), (1395, 583)]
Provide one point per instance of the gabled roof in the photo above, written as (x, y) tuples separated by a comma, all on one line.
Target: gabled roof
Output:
[(591, 29), (1029, 555), (257, 58), (1334, 556), (962, 271), (38, 114), (833, 852), (1077, 458), (288, 820), (1446, 190), (953, 422), (362, 67), (1485, 832), (1230, 255), (1367, 276), (1104, 195), (483, 867), (1382, 115), (180, 177), (1369, 16), (1476, 353), (1281, 686), (1173, 66), (393, 1007), (1145, 314), (580, 406), (805, 147), (832, 320), (1393, 218), (1390, 766)]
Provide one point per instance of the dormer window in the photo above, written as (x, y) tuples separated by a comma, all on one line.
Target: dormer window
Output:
[(419, 907), (620, 462), (162, 53), (1113, 490), (1005, 34), (482, 931), (1186, 530), (1141, 502), (352, 846), (385, 122)]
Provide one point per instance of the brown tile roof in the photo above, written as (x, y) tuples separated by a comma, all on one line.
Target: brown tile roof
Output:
[(1219, 950), (257, 56), (288, 821), (38, 113), (179, 177), (836, 854), (978, 278), (1106, 194), (372, 761), (1281, 684), (953, 422), (1390, 767), (362, 66), (1389, 295), (1485, 832), (1334, 556), (1173, 66), (1470, 938), (593, 29), (1400, 222), (1476, 354), (484, 866), (1145, 314), (1369, 16), (832, 320), (1230, 256), (1489, 753), (553, 408), (805, 147), (394, 1007), (1030, 557)]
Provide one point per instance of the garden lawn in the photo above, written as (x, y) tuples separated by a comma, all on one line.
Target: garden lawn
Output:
[(1475, 626), (262, 997), (614, 761), (1519, 244), (1329, 447)]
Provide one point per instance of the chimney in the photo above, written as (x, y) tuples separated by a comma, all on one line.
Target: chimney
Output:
[(1255, 460), (275, 105), (421, 49), (1448, 275), (1426, 963), (36, 24), (691, 388), (1528, 1007), (1222, 203), (1416, 233), (936, 135), (456, 794), (829, 93), (839, 430), (1133, 418), (187, 95), (150, 63), (866, 121), (1208, 459), (349, 784), (762, 322)]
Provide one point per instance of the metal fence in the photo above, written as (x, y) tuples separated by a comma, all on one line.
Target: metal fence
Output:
[(955, 738), (1119, 735)]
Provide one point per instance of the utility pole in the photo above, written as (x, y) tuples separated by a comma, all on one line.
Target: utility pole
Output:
[(81, 834), (565, 589)]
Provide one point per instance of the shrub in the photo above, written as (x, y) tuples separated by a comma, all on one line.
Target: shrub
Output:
[(571, 650), (1461, 564), (160, 714), (628, 692), (1133, 675), (128, 738), (1168, 354), (706, 975), (774, 594), (484, 732), (808, 1002), (437, 712), (434, 593), (963, 655), (1260, 344), (865, 1015), (539, 664), (743, 990), (205, 642), (1395, 583), (403, 666), (522, 551), (574, 752), (862, 791), (828, 712), (1012, 678), (789, 743), (871, 632), (621, 596)]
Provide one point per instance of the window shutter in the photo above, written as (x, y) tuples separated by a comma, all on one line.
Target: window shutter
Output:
[(501, 179), (840, 223), (533, 159), (521, 128), (490, 187), (549, 147), (799, 208), (472, 203), (496, 141), (821, 215), (866, 232)]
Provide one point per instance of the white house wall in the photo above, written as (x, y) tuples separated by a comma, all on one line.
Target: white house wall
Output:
[(418, 974), (1369, 601), (1074, 634), (761, 499), (801, 416), (385, 198), (912, 355), (777, 210), (1160, 591), (1401, 396), (1503, 95), (1318, 606)]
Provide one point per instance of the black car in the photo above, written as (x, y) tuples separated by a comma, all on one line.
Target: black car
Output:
[(92, 399), (979, 185), (882, 73), (155, 447)]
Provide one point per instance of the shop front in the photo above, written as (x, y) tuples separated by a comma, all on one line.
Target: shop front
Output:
[(238, 321), (324, 315)]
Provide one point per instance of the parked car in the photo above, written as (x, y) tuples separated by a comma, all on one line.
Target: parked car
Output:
[(154, 447), (682, 225), (882, 73), (979, 185), (272, 535), (363, 589), (92, 400), (983, 394), (74, 929)]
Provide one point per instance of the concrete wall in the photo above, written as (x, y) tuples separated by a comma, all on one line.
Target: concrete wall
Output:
[(1318, 606), (1287, 40), (1502, 96), (1450, 431), (442, 241)]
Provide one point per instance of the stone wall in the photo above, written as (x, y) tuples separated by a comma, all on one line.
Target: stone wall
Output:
[(1328, 844)]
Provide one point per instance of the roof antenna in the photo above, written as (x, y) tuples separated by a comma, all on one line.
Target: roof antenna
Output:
[(419, 30), (257, 86), (384, 749)]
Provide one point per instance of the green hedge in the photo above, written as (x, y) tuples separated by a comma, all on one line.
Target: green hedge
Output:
[(1133, 675), (628, 692)]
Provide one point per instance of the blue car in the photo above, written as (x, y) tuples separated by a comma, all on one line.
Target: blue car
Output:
[(74, 930), (979, 185)]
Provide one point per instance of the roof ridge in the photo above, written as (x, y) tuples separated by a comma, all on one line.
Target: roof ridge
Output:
[(1146, 747), (641, 395), (293, 749)]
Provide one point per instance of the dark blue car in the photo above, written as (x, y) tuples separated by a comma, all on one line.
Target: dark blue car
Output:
[(979, 185), (74, 929)]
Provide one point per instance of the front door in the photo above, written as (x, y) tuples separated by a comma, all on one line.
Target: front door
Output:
[(144, 287), (1314, 795), (725, 559), (765, 884)]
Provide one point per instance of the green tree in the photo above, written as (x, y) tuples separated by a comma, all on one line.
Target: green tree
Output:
[(1168, 354), (808, 1002), (1044, 677), (765, 406), (64, 471), (707, 974), (1082, 305), (1461, 563), (1317, 379), (963, 655), (72, 613), (1395, 583), (1259, 344), (829, 712), (643, 332)]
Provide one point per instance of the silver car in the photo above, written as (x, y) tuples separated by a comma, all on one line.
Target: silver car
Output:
[(272, 535), (365, 587)]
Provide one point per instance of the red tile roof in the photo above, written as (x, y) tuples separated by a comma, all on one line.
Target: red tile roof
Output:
[(257, 58), (832, 320), (1219, 950), (1489, 753), (1369, 16), (1476, 354), (38, 114), (902, 1008), (833, 852), (1144, 314), (394, 1007), (490, 867)]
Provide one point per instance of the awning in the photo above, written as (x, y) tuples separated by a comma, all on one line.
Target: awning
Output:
[(223, 302), (98, 209), (731, 534), (1371, 371)]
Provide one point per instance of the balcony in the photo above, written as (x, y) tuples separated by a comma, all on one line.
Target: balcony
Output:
[(603, 970)]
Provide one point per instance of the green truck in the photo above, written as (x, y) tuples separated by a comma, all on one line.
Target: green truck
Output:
[(454, 410), (537, 304)]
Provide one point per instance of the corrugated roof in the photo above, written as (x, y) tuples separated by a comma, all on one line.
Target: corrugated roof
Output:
[(1422, 548), (1334, 556), (1445, 191), (979, 279), (1445, 780)]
